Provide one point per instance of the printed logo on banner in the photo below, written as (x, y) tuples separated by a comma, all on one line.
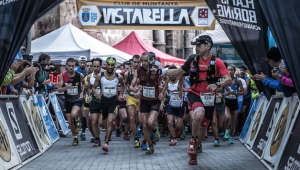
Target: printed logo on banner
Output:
[(202, 16), (279, 131), (38, 123), (89, 15), (5, 151), (13, 120), (294, 112), (256, 122)]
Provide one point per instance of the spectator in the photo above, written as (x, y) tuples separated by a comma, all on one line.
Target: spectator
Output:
[(42, 77), (10, 74)]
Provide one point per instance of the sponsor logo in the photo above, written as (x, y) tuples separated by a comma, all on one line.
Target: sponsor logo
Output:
[(13, 119), (89, 16), (202, 16), (5, 2), (279, 131), (38, 124), (256, 123), (5, 151), (275, 112), (24, 148), (85, 14), (262, 144), (292, 164)]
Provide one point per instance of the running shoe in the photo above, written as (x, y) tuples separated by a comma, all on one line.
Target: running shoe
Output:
[(118, 132), (97, 143), (227, 134), (92, 140), (199, 149), (139, 131), (75, 142), (105, 147), (137, 144), (82, 136), (156, 135), (193, 160), (173, 142), (103, 130), (144, 145), (150, 150), (177, 133), (231, 140), (217, 143), (126, 137), (192, 147), (182, 135)]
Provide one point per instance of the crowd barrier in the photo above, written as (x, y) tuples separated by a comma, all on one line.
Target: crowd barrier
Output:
[(27, 129), (273, 135)]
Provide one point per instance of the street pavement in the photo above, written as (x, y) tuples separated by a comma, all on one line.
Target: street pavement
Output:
[(122, 155)]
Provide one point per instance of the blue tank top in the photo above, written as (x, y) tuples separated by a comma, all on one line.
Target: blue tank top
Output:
[(233, 87), (78, 70)]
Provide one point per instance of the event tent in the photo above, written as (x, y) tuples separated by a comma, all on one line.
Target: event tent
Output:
[(133, 45), (69, 41), (218, 35)]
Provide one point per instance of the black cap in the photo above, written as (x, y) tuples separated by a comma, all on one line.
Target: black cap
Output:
[(203, 39)]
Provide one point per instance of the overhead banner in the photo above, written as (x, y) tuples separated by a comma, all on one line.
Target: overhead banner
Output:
[(18, 126), (257, 121), (51, 129), (245, 26), (9, 156), (280, 131), (259, 143), (145, 15), (59, 114), (35, 122)]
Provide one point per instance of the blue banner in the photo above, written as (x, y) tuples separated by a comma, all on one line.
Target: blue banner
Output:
[(248, 121), (59, 114), (51, 129)]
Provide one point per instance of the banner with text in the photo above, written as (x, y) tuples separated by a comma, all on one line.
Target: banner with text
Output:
[(51, 129), (9, 156), (259, 143), (257, 121), (280, 131), (18, 126), (145, 15), (59, 114), (35, 122), (245, 25)]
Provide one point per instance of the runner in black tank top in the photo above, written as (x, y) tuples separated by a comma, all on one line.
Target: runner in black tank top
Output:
[(72, 84), (109, 81)]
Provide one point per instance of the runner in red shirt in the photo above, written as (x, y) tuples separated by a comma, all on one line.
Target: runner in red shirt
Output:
[(205, 70)]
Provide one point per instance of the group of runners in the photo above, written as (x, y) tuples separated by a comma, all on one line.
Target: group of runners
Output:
[(197, 92)]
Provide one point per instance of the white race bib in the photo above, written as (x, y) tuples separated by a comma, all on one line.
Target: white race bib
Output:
[(175, 101), (98, 90), (208, 99), (231, 96), (149, 92), (109, 91), (72, 91), (218, 100)]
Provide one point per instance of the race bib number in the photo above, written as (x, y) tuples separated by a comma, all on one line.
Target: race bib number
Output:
[(231, 96), (218, 100), (149, 92), (208, 99), (175, 100), (98, 90), (109, 91), (72, 91)]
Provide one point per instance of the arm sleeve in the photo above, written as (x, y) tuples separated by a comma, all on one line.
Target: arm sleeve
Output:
[(187, 65), (286, 81), (273, 84), (8, 78)]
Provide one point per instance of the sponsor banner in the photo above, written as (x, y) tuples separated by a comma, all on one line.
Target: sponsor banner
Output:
[(290, 157), (227, 54), (59, 114), (44, 111), (257, 120), (276, 144), (30, 107), (245, 25), (8, 153), (19, 128), (145, 15), (252, 111), (259, 143)]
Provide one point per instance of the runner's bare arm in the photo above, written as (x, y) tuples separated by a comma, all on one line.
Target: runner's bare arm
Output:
[(180, 86), (163, 93), (240, 84), (226, 80), (121, 81), (228, 92), (82, 85), (125, 80), (89, 86), (133, 82), (98, 77)]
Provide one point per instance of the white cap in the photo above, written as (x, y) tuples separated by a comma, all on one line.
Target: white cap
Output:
[(82, 58)]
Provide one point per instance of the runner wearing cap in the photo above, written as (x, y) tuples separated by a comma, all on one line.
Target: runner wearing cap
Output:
[(73, 85), (108, 95), (205, 70)]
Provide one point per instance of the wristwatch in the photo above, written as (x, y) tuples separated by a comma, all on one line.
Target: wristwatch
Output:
[(218, 84)]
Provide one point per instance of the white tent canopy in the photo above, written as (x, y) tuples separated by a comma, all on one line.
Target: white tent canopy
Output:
[(218, 35), (69, 41)]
